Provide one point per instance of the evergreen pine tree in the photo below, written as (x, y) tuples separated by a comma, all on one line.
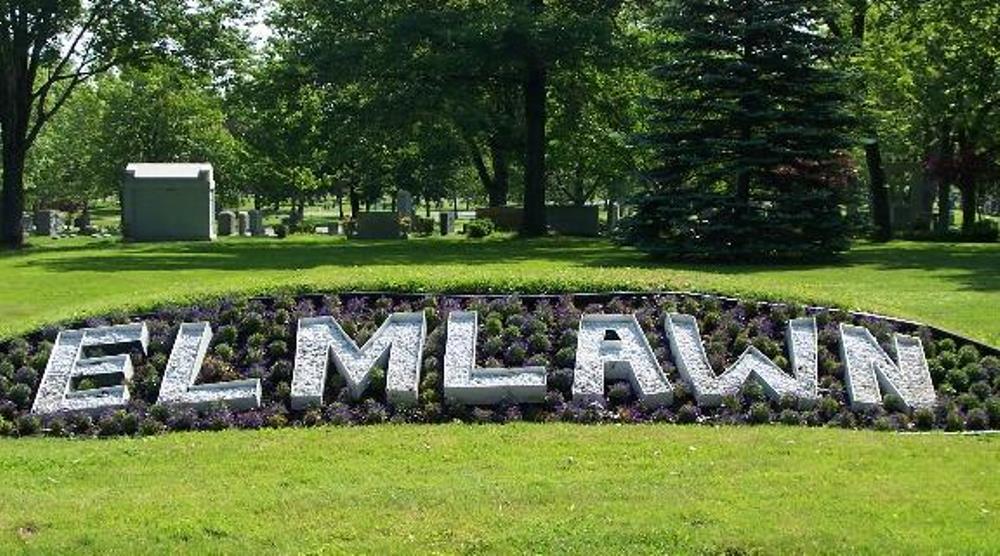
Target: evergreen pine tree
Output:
[(749, 133)]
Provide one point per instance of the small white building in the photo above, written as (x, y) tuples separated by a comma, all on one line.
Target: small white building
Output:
[(168, 201)]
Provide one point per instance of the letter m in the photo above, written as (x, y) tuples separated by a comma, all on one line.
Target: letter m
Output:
[(397, 347)]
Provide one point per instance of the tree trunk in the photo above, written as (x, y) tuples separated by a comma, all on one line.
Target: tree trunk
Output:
[(501, 175), (967, 182), (14, 117), (944, 206), (879, 189), (352, 192), (535, 93), (13, 196)]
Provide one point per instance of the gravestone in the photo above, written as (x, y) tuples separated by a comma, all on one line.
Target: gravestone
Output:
[(574, 220), (48, 223), (243, 222), (404, 204), (614, 216), (446, 223), (27, 223), (164, 202), (82, 223), (505, 219), (378, 225), (256, 223), (335, 228), (227, 223)]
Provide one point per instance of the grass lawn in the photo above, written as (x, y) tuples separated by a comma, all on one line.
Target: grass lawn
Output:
[(517, 488), (952, 286)]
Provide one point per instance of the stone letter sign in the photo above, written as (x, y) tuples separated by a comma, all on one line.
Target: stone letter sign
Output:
[(608, 347)]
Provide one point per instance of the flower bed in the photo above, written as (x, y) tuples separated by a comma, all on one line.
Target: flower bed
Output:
[(255, 338)]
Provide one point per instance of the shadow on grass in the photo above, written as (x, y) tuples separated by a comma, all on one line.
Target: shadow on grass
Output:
[(973, 266)]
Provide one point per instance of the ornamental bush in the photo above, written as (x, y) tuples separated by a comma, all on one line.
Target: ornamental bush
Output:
[(479, 228), (749, 135)]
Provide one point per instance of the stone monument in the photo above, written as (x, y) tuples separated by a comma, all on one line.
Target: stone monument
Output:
[(446, 223), (243, 220), (378, 225), (256, 223), (404, 204), (48, 223), (164, 202), (574, 220), (227, 223)]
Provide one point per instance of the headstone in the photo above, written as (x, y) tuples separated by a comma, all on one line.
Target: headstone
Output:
[(574, 220), (227, 223), (48, 223), (614, 216), (505, 219), (446, 223), (82, 223), (27, 223), (165, 202), (335, 228), (378, 225), (404, 204), (243, 222), (256, 223)]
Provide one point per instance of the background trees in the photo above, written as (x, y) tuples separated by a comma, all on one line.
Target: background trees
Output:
[(48, 49), (525, 102)]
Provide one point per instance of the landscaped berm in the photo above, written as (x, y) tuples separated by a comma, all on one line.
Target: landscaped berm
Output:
[(500, 276), (361, 473)]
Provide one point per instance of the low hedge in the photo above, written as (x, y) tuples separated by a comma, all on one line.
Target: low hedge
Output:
[(255, 338)]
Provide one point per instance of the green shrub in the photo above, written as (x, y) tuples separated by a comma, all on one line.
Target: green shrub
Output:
[(894, 404), (883, 423), (20, 394), (968, 354), (479, 228), (28, 425), (954, 421), (790, 417), (923, 418), (993, 412), (760, 413), (957, 379), (977, 420)]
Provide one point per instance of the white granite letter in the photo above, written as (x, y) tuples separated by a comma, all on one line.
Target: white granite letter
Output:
[(186, 358), (398, 344), (466, 384), (627, 358), (709, 389), (67, 362), (870, 372)]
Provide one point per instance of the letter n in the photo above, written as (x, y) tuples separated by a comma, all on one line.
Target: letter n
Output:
[(870, 373)]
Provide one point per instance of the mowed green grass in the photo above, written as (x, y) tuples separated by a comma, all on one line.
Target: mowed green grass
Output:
[(547, 488), (539, 488), (953, 286)]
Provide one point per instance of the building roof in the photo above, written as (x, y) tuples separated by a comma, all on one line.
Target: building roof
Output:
[(182, 170)]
